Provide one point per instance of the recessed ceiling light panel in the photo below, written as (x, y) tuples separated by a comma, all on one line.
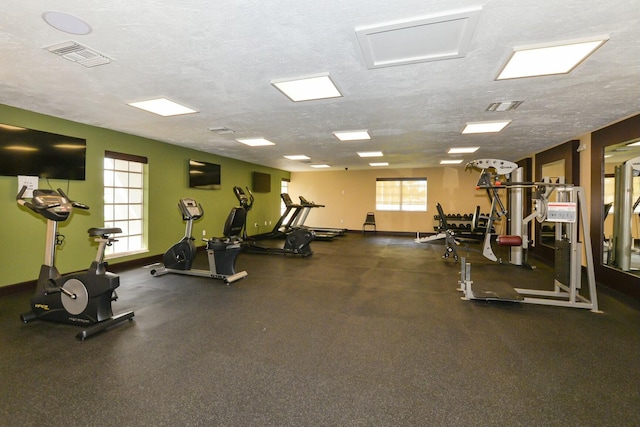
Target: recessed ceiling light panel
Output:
[(463, 150), (297, 157), (352, 135), (370, 154), (320, 166), (163, 107), (485, 127), (308, 88), (450, 162), (255, 142), (548, 60), (634, 144), (378, 164)]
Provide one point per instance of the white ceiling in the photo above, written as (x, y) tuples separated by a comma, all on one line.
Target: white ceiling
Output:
[(219, 57)]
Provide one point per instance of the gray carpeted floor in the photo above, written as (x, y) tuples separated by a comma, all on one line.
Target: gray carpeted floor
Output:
[(369, 331)]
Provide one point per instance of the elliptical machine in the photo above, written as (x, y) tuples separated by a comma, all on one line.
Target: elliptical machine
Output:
[(297, 242), (79, 298), (221, 252)]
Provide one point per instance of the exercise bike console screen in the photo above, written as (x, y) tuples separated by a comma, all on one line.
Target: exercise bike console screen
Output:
[(190, 208)]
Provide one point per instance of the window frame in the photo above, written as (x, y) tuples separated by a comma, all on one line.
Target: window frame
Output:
[(124, 205), (399, 200)]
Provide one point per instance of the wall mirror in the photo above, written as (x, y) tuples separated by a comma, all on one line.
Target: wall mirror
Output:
[(621, 207), (613, 141)]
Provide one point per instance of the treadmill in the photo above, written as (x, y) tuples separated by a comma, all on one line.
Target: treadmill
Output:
[(307, 206), (294, 222)]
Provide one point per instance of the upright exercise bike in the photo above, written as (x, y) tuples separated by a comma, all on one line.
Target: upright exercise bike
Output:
[(80, 298), (221, 252)]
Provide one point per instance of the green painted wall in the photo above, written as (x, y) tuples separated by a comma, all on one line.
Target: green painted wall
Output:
[(22, 233)]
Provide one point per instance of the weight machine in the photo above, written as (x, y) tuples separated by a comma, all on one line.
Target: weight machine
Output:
[(494, 176), (568, 212)]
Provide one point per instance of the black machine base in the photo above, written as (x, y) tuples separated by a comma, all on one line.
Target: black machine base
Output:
[(92, 330), (296, 242), (105, 324)]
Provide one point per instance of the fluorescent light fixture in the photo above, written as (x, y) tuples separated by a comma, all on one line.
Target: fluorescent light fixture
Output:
[(370, 154), (320, 166), (308, 88), (352, 135), (163, 107), (450, 162), (634, 144), (485, 127), (463, 150), (255, 142), (548, 60), (379, 164), (297, 157)]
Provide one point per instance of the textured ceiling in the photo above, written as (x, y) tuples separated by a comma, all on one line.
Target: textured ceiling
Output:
[(220, 57)]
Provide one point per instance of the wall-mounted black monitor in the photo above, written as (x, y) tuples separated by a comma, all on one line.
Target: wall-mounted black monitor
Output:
[(261, 182), (204, 175), (37, 153)]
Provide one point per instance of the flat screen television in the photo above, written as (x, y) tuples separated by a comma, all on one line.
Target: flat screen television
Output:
[(204, 175), (37, 153), (261, 182)]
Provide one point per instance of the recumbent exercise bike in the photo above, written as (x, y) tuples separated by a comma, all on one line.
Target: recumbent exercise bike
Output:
[(221, 252)]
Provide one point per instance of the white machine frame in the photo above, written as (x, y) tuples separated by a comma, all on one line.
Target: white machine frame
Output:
[(572, 242)]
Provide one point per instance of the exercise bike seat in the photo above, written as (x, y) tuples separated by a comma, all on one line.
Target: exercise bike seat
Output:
[(103, 231)]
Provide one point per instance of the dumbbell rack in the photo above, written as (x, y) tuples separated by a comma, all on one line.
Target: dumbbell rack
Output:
[(465, 225)]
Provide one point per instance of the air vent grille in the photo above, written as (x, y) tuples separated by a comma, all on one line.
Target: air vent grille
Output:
[(221, 130), (76, 52), (504, 106)]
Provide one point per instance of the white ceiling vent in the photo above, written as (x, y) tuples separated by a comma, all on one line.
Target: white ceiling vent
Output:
[(430, 38), (75, 52)]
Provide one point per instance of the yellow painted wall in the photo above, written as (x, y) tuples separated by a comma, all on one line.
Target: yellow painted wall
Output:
[(350, 194)]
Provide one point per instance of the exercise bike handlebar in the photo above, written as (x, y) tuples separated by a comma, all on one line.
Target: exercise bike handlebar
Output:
[(73, 202), (41, 207)]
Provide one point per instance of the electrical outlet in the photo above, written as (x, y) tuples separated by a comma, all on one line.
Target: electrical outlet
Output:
[(265, 223), (255, 224), (204, 233), (269, 222)]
